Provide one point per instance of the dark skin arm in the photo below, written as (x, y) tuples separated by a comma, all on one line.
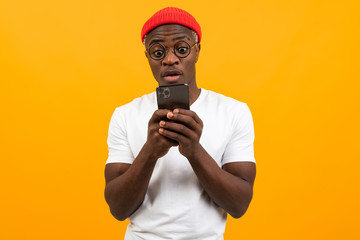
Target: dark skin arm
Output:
[(126, 184), (231, 187)]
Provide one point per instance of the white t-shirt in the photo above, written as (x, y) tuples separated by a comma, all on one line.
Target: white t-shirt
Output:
[(176, 206)]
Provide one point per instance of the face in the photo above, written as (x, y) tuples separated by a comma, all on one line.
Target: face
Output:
[(173, 69)]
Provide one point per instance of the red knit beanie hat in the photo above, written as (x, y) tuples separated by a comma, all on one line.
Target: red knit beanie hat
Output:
[(171, 15)]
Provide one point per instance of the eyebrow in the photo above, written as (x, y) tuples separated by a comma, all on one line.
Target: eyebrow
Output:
[(178, 38), (155, 41), (161, 40)]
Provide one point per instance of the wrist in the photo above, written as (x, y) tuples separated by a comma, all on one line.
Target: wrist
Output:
[(196, 152), (148, 153)]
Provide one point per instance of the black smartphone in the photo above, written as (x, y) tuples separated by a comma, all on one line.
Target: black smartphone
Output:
[(173, 96)]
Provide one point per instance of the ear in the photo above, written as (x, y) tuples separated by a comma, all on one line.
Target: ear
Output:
[(197, 52)]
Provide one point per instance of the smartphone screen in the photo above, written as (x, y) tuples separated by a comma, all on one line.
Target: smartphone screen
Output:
[(173, 96)]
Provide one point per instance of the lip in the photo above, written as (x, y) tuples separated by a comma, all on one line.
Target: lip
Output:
[(171, 76), (171, 73), (172, 79)]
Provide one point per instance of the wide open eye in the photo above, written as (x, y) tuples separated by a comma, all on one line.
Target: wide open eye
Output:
[(157, 51), (182, 49)]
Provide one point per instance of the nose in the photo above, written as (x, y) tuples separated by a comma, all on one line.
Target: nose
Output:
[(170, 58)]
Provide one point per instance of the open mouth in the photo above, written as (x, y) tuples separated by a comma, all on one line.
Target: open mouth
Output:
[(172, 75), (172, 78)]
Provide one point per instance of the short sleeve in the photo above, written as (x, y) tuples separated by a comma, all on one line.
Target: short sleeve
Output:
[(118, 144), (240, 147)]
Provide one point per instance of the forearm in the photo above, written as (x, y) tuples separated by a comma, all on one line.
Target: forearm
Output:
[(225, 187), (228, 191), (125, 193)]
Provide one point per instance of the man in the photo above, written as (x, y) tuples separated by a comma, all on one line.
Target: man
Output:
[(176, 174)]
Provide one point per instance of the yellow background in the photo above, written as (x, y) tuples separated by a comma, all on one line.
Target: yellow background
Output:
[(66, 65)]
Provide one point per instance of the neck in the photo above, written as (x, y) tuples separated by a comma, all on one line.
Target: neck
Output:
[(194, 93)]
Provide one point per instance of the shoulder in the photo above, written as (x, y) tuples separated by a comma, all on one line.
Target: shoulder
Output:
[(227, 110), (214, 99), (138, 107), (144, 102)]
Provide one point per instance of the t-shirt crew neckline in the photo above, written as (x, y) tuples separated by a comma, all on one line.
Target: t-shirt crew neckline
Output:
[(199, 99)]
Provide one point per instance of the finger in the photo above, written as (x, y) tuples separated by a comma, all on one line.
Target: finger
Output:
[(189, 113), (162, 140), (184, 119), (179, 128), (173, 135), (159, 114)]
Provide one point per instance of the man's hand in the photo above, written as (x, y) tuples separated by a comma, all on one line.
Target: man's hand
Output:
[(234, 183), (127, 184), (185, 128), (157, 144)]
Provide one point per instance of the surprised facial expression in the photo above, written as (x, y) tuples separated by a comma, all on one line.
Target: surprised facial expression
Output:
[(176, 67)]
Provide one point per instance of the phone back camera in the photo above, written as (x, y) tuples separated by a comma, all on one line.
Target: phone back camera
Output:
[(164, 92)]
